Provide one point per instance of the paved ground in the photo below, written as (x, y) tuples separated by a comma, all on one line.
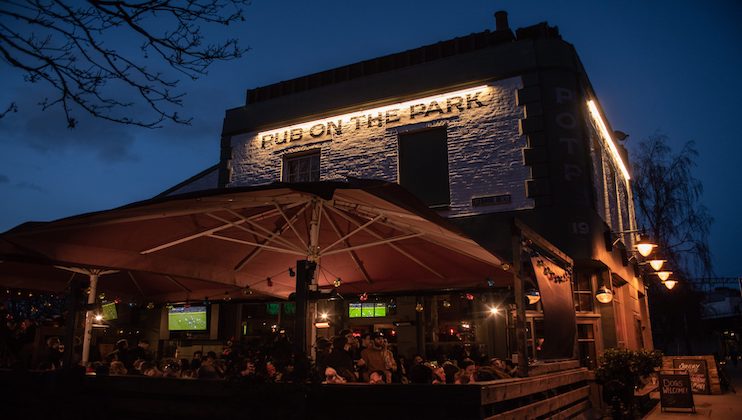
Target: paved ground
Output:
[(718, 407)]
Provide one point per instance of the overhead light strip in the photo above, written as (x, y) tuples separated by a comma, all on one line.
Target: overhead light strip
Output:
[(608, 138)]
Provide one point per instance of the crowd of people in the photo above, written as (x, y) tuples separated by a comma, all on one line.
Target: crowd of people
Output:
[(369, 359), (345, 358)]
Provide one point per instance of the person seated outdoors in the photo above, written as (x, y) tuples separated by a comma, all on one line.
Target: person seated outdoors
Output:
[(271, 372), (500, 368), (450, 370), (468, 369), (206, 370), (421, 374), (171, 369), (117, 368), (196, 360), (149, 369), (332, 377), (439, 374), (340, 359), (485, 374), (377, 377)]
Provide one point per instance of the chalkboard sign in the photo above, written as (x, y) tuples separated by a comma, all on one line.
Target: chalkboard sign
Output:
[(698, 371), (676, 391)]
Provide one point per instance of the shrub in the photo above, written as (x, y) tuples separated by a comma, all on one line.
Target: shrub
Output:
[(620, 372)]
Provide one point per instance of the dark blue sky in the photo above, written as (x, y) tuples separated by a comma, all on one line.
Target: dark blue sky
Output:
[(664, 66)]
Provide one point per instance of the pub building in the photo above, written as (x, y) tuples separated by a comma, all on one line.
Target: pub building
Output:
[(489, 130)]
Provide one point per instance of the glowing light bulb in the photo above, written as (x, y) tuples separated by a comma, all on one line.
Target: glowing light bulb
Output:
[(656, 264), (663, 275), (604, 295)]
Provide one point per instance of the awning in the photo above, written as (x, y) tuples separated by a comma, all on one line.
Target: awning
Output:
[(373, 235)]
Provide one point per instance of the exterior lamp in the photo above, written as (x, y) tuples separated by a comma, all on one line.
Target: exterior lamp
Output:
[(656, 263), (645, 246), (322, 324), (99, 317), (494, 310), (670, 283), (533, 296), (604, 295), (664, 275)]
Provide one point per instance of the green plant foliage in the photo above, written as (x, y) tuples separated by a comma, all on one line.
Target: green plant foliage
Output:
[(620, 371), (627, 366)]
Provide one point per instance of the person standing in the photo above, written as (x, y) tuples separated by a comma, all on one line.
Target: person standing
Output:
[(374, 356), (340, 360)]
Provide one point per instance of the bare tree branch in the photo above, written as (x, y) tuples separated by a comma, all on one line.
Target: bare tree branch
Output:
[(85, 52), (668, 198)]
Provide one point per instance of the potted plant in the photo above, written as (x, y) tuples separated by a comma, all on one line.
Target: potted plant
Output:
[(620, 371)]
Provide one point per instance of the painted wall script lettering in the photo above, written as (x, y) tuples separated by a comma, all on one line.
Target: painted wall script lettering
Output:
[(402, 113)]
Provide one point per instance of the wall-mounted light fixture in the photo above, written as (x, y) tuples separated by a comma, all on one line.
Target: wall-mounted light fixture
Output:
[(320, 324), (670, 283), (533, 296), (604, 295), (645, 246), (656, 263), (663, 275)]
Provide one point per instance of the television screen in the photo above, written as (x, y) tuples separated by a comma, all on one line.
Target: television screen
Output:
[(367, 310), (272, 308), (109, 311), (354, 310), (192, 318)]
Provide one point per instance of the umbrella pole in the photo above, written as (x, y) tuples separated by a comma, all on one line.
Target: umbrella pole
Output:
[(304, 274), (71, 321), (89, 319)]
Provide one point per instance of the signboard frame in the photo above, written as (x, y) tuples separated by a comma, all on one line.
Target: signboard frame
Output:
[(697, 377), (677, 381)]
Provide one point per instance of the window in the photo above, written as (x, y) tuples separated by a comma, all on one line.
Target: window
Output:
[(586, 345), (423, 165), (583, 291), (303, 167)]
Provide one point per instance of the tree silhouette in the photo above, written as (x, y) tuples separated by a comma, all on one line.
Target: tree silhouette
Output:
[(668, 198), (83, 51)]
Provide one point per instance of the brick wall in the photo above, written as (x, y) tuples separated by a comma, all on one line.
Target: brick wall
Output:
[(484, 149)]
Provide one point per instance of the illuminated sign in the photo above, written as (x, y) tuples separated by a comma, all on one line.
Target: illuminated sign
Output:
[(607, 136), (412, 111)]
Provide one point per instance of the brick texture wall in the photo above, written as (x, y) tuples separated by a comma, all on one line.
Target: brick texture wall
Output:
[(484, 150)]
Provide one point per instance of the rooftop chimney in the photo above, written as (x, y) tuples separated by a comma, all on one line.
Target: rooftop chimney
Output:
[(501, 21)]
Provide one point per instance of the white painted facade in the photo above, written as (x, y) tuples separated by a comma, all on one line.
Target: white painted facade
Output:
[(485, 154)]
